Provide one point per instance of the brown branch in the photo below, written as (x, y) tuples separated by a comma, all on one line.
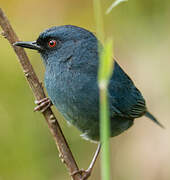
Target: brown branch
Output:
[(64, 150)]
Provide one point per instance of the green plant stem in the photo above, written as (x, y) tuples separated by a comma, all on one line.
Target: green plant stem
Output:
[(105, 133), (99, 19), (103, 77)]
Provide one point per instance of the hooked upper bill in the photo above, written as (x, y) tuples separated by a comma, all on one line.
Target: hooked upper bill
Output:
[(29, 45)]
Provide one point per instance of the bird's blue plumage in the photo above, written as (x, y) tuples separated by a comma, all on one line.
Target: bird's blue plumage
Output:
[(71, 82)]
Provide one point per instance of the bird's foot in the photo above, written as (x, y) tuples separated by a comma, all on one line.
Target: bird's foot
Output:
[(43, 104), (84, 173)]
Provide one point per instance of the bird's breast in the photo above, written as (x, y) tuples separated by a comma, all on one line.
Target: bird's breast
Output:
[(74, 94)]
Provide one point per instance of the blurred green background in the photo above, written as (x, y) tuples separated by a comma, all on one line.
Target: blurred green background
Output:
[(141, 37)]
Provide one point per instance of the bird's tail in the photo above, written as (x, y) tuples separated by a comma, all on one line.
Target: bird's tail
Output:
[(150, 116)]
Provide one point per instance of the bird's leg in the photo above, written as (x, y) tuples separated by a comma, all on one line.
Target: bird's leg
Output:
[(87, 173), (43, 104)]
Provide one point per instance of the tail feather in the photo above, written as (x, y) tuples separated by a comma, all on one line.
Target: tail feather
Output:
[(150, 116)]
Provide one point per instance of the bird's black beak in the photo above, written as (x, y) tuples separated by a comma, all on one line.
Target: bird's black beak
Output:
[(28, 44)]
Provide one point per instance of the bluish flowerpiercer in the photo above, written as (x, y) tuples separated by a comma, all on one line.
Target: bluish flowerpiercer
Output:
[(71, 58)]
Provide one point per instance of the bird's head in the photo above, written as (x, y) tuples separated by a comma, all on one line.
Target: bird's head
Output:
[(59, 44)]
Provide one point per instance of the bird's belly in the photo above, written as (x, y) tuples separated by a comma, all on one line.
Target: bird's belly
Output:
[(80, 106)]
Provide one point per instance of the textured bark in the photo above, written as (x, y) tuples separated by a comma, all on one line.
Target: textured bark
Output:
[(64, 151)]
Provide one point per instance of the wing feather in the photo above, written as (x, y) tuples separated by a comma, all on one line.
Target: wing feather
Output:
[(125, 99)]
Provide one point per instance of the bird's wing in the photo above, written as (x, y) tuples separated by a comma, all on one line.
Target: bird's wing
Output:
[(125, 99)]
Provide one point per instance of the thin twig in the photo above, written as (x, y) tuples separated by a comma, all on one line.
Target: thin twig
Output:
[(64, 150)]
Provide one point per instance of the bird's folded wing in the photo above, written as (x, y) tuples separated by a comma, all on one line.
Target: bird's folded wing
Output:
[(130, 106)]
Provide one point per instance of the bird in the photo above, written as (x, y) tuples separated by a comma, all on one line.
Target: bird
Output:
[(71, 58)]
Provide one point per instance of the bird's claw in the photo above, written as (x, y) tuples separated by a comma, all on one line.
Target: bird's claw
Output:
[(85, 173), (43, 104)]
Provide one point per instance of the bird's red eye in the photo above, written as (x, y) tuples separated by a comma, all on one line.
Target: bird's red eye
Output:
[(52, 43)]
